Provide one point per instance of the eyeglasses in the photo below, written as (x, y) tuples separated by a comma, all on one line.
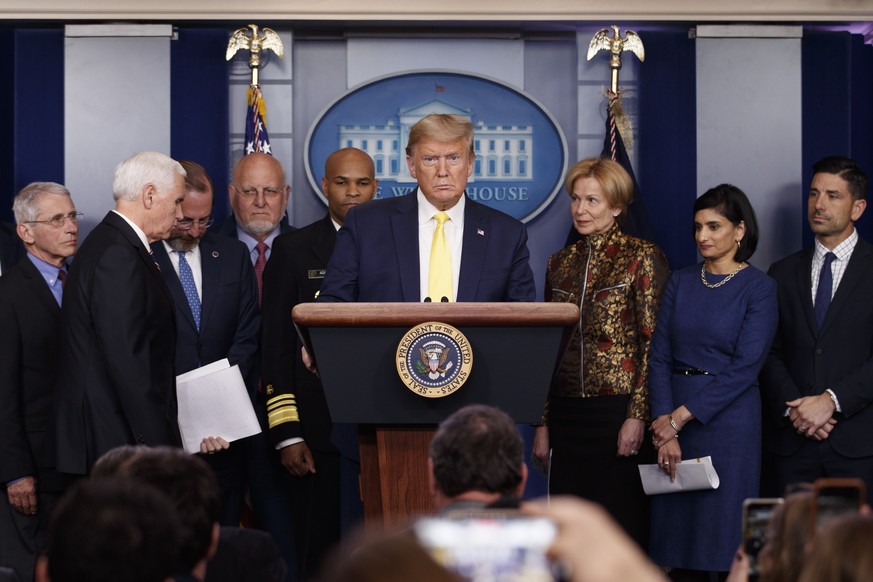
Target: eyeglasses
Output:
[(451, 159), (58, 220), (269, 193), (188, 223)]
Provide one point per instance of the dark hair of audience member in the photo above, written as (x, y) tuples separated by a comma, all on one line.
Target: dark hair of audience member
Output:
[(111, 462), (385, 558), (732, 203), (787, 536), (189, 483), (112, 530), (841, 552), (477, 448)]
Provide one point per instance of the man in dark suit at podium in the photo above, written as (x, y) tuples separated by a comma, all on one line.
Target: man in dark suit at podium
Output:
[(433, 243), (213, 285), (300, 424), (118, 330)]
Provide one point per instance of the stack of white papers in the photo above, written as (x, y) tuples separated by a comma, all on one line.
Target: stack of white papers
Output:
[(213, 401), (691, 475)]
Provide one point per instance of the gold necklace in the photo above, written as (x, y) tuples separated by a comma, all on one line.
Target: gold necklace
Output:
[(723, 281)]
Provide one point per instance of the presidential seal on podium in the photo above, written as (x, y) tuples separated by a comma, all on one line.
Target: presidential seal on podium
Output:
[(434, 359)]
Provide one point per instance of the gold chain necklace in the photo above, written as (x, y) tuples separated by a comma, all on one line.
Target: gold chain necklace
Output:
[(723, 281)]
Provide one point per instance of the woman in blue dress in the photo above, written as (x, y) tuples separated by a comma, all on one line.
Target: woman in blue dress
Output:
[(714, 330)]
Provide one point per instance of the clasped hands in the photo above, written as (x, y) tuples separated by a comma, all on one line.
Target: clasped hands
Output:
[(812, 416)]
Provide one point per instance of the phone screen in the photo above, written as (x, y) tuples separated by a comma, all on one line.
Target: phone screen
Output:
[(491, 546), (757, 514), (835, 498)]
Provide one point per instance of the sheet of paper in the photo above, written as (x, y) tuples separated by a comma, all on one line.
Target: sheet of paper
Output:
[(691, 475), (213, 401)]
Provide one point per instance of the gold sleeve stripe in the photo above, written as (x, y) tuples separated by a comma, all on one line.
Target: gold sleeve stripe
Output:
[(282, 416), (284, 399)]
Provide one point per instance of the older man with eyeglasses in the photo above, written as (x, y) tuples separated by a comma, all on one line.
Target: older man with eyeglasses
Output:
[(258, 194), (213, 286), (30, 315)]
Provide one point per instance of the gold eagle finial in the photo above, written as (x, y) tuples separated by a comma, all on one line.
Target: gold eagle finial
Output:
[(615, 45), (268, 40)]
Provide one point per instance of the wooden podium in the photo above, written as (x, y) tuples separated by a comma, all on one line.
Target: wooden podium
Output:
[(516, 349)]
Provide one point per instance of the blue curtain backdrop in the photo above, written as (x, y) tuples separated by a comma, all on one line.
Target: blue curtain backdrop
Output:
[(198, 106), (667, 147), (7, 121), (31, 110), (837, 72)]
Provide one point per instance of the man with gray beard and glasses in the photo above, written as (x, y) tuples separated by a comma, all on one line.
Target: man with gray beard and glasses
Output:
[(213, 286)]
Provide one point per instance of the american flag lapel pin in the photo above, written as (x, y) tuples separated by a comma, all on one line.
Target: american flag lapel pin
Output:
[(480, 232)]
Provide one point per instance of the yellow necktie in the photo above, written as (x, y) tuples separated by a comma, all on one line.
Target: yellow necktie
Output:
[(440, 276)]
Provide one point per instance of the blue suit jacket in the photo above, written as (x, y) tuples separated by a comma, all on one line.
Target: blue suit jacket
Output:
[(376, 255), (229, 317)]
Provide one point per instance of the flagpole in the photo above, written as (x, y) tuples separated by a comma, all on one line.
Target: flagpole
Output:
[(257, 139), (615, 45), (618, 137), (255, 44)]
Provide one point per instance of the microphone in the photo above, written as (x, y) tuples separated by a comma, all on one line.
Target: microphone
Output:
[(427, 300), (444, 299)]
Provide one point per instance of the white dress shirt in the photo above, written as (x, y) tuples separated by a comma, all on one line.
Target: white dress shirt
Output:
[(192, 257), (454, 229)]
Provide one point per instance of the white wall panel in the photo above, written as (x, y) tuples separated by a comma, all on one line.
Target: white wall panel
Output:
[(116, 103), (749, 131)]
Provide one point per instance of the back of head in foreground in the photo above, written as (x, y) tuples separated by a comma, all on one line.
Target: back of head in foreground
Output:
[(788, 534), (478, 448), (111, 530), (188, 482), (477, 453), (841, 552), (384, 557)]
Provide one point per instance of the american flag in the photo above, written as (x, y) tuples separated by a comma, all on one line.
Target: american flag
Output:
[(257, 139), (636, 221)]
